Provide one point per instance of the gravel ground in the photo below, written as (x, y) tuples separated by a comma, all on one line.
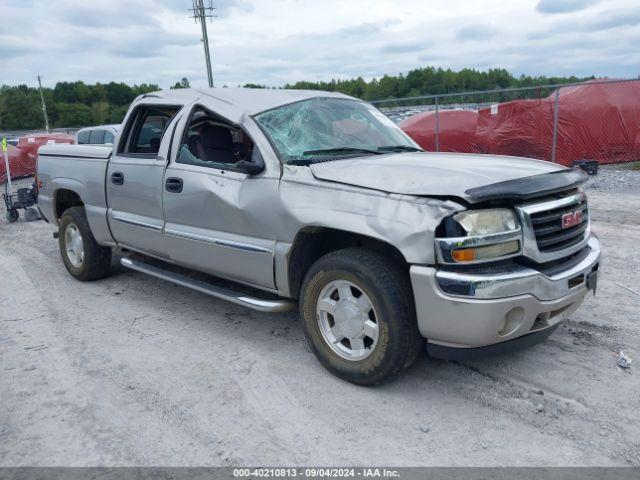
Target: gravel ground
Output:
[(615, 181), (131, 370)]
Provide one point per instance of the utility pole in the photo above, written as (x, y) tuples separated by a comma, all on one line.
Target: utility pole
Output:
[(44, 106), (201, 14)]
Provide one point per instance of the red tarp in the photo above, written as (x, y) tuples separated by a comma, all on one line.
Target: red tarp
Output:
[(523, 128), (457, 130), (22, 160), (600, 122), (19, 163), (596, 121)]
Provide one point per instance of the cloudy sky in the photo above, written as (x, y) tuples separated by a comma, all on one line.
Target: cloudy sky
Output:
[(277, 41)]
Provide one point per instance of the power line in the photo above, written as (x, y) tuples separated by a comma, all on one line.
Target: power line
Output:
[(200, 14), (44, 106)]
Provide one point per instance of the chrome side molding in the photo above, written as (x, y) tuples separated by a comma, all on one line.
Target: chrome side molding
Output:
[(137, 223), (216, 241), (237, 297)]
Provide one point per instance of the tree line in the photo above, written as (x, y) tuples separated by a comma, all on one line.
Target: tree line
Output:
[(438, 81), (75, 104), (69, 104)]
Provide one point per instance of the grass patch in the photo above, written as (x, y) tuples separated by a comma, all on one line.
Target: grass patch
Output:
[(625, 166)]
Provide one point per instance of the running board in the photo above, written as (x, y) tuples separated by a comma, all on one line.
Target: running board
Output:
[(273, 304)]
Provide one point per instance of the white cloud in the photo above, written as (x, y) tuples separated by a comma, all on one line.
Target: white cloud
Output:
[(278, 41)]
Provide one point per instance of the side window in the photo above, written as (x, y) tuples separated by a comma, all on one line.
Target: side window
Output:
[(209, 141), (96, 137), (145, 129), (83, 137), (108, 136)]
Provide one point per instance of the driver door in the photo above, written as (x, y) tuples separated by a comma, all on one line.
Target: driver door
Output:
[(219, 219)]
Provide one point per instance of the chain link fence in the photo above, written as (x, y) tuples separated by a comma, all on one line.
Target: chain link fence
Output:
[(16, 134), (596, 120)]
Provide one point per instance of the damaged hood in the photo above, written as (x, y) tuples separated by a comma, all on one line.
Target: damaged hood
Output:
[(471, 177)]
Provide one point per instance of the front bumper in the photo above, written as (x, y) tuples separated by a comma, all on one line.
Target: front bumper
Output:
[(492, 307)]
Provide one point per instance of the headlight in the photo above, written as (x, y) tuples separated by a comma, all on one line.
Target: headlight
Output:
[(486, 222), (477, 236)]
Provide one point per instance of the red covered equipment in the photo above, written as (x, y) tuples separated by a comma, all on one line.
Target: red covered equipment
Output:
[(599, 122), (457, 130), (22, 160), (19, 163), (596, 121), (31, 143)]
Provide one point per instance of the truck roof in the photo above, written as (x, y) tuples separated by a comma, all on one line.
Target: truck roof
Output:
[(238, 101)]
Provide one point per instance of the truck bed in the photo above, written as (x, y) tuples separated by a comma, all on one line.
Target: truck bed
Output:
[(80, 169)]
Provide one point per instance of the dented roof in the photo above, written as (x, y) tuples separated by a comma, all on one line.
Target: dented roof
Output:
[(233, 103)]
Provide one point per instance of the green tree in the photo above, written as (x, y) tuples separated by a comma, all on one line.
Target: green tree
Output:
[(118, 113), (184, 83), (432, 81), (100, 113), (119, 93), (21, 108), (3, 109), (74, 115), (145, 88)]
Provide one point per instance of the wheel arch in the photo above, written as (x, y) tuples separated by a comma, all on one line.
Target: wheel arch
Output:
[(63, 199), (312, 242)]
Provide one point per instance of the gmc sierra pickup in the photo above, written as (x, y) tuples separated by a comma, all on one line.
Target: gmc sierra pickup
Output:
[(274, 199)]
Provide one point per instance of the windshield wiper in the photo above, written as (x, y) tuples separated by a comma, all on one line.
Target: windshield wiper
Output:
[(325, 151), (399, 148)]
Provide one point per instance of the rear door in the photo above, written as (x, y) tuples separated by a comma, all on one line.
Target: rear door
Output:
[(134, 178)]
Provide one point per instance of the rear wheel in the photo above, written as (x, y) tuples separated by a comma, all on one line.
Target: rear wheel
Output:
[(82, 256), (358, 314)]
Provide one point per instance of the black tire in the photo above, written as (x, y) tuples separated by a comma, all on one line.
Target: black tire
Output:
[(97, 259), (389, 289), (13, 215)]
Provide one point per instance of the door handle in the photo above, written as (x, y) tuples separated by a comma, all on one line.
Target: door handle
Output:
[(173, 185), (117, 178)]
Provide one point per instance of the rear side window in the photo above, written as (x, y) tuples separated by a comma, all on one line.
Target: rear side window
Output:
[(108, 137), (83, 137), (145, 129), (96, 137)]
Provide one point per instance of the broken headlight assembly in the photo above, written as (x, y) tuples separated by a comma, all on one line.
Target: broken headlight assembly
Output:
[(478, 236)]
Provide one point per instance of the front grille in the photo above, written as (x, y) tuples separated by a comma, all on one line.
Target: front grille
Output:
[(548, 230)]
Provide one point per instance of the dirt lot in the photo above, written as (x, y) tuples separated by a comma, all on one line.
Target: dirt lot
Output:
[(135, 371)]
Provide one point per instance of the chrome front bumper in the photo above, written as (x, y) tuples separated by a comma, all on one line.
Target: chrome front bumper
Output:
[(521, 280), (465, 310)]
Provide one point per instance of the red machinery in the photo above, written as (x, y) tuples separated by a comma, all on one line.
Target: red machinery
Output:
[(596, 121)]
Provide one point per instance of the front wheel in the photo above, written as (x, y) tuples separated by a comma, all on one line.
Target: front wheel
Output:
[(84, 258), (358, 314)]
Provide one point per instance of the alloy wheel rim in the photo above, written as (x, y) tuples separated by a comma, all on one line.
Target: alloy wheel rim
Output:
[(74, 245), (347, 320)]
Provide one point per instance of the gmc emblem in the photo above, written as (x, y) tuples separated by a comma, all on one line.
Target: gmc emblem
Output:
[(571, 219)]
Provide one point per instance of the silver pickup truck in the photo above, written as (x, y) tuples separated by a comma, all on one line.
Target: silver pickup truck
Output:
[(275, 199)]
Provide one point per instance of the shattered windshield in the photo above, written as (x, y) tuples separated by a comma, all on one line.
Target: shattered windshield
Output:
[(322, 129)]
